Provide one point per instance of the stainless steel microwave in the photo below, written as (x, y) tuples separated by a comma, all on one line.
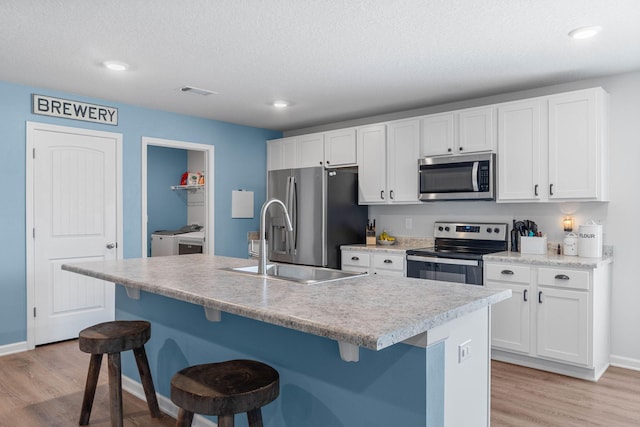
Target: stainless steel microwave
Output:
[(460, 177)]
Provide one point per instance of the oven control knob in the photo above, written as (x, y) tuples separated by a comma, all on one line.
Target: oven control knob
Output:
[(447, 229), (489, 230), (440, 228), (496, 230)]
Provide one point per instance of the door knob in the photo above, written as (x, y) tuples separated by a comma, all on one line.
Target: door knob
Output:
[(111, 245)]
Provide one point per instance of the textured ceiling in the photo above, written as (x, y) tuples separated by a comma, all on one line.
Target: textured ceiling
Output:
[(335, 60)]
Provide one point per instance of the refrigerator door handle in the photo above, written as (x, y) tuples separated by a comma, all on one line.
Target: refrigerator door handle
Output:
[(293, 212)]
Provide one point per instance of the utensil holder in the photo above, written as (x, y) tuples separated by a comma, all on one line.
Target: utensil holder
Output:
[(533, 245)]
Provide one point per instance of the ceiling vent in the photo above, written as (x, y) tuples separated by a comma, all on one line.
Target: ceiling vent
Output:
[(197, 91)]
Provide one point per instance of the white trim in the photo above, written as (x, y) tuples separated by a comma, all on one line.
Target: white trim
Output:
[(625, 362), (209, 206), (29, 202), (166, 405), (16, 347)]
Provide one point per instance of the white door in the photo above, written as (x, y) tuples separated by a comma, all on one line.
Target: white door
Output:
[(74, 218), (403, 152)]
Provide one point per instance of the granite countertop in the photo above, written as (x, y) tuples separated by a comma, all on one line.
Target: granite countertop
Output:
[(368, 311), (403, 244), (549, 259)]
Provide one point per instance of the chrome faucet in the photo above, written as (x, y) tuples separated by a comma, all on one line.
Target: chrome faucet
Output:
[(262, 265)]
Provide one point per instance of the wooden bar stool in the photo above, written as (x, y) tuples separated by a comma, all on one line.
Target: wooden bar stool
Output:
[(112, 338), (224, 389)]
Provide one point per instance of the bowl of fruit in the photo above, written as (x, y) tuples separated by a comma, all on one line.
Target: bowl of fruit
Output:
[(385, 239)]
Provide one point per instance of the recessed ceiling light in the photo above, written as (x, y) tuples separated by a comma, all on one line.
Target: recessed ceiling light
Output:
[(280, 104), (585, 32), (115, 65)]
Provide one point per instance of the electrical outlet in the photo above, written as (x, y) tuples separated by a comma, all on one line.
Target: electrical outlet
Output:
[(408, 223), (464, 351)]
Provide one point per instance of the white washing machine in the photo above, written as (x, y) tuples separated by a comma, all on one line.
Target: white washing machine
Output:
[(191, 243), (164, 243)]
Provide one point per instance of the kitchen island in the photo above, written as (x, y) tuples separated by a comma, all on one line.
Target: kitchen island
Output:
[(417, 348)]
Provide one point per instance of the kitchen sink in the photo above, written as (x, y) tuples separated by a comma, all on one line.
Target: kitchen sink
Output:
[(297, 273)]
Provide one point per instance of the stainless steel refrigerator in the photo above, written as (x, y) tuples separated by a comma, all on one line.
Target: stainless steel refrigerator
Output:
[(323, 204)]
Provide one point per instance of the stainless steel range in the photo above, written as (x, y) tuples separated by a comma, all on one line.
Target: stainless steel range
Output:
[(457, 253)]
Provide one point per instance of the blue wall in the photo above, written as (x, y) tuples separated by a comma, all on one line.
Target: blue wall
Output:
[(240, 162), (166, 209)]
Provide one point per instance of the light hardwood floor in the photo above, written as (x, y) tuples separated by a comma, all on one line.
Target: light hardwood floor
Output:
[(43, 388)]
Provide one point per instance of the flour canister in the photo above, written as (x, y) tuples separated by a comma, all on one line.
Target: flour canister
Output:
[(590, 240), (571, 244)]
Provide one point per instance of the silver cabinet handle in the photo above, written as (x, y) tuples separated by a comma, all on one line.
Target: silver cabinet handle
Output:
[(388, 261), (391, 194), (382, 194), (562, 277), (111, 245), (355, 258), (509, 272), (524, 295)]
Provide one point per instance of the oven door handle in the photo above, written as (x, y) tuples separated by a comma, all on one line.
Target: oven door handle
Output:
[(437, 260)]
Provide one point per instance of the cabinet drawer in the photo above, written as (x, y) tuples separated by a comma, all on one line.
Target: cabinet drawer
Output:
[(508, 272), (564, 278), (356, 259), (388, 262)]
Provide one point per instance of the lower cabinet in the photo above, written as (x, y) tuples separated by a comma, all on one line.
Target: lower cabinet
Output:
[(374, 262), (557, 319)]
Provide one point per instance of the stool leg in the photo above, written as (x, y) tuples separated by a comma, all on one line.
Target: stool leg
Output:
[(185, 418), (147, 381), (255, 418), (90, 388), (225, 420), (115, 389)]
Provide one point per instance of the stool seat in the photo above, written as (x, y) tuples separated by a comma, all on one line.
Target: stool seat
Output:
[(224, 389), (112, 338)]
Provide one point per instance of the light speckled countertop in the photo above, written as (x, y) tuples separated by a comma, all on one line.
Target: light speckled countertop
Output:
[(370, 311), (549, 259)]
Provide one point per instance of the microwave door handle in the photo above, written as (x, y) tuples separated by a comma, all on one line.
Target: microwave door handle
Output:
[(476, 178)]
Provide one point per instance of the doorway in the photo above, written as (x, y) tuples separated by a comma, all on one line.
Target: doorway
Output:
[(201, 158), (74, 214)]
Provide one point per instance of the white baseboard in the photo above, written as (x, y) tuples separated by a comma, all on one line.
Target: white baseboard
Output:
[(166, 405), (16, 347), (625, 362)]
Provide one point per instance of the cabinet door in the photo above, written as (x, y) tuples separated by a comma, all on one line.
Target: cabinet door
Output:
[(519, 151), (403, 152), (510, 324), (388, 265), (372, 174), (573, 140), (311, 150), (476, 131), (289, 153), (275, 155), (340, 147), (438, 134), (563, 325), (355, 261)]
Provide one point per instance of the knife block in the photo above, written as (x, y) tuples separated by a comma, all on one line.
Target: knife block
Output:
[(371, 238)]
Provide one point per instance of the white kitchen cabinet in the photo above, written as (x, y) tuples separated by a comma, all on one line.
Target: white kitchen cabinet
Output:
[(511, 324), (310, 150), (340, 148), (282, 153), (554, 148), (578, 145), (388, 162), (374, 262), (520, 155), (558, 321), (459, 132)]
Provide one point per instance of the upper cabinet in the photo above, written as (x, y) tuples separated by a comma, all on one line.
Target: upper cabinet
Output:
[(554, 148), (388, 162), (458, 132), (329, 149)]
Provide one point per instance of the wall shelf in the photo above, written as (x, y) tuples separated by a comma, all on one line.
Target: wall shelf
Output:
[(191, 188)]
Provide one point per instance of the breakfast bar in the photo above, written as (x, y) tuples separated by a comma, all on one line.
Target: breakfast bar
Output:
[(361, 351)]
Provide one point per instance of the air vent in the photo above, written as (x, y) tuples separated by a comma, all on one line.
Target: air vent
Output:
[(196, 91)]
